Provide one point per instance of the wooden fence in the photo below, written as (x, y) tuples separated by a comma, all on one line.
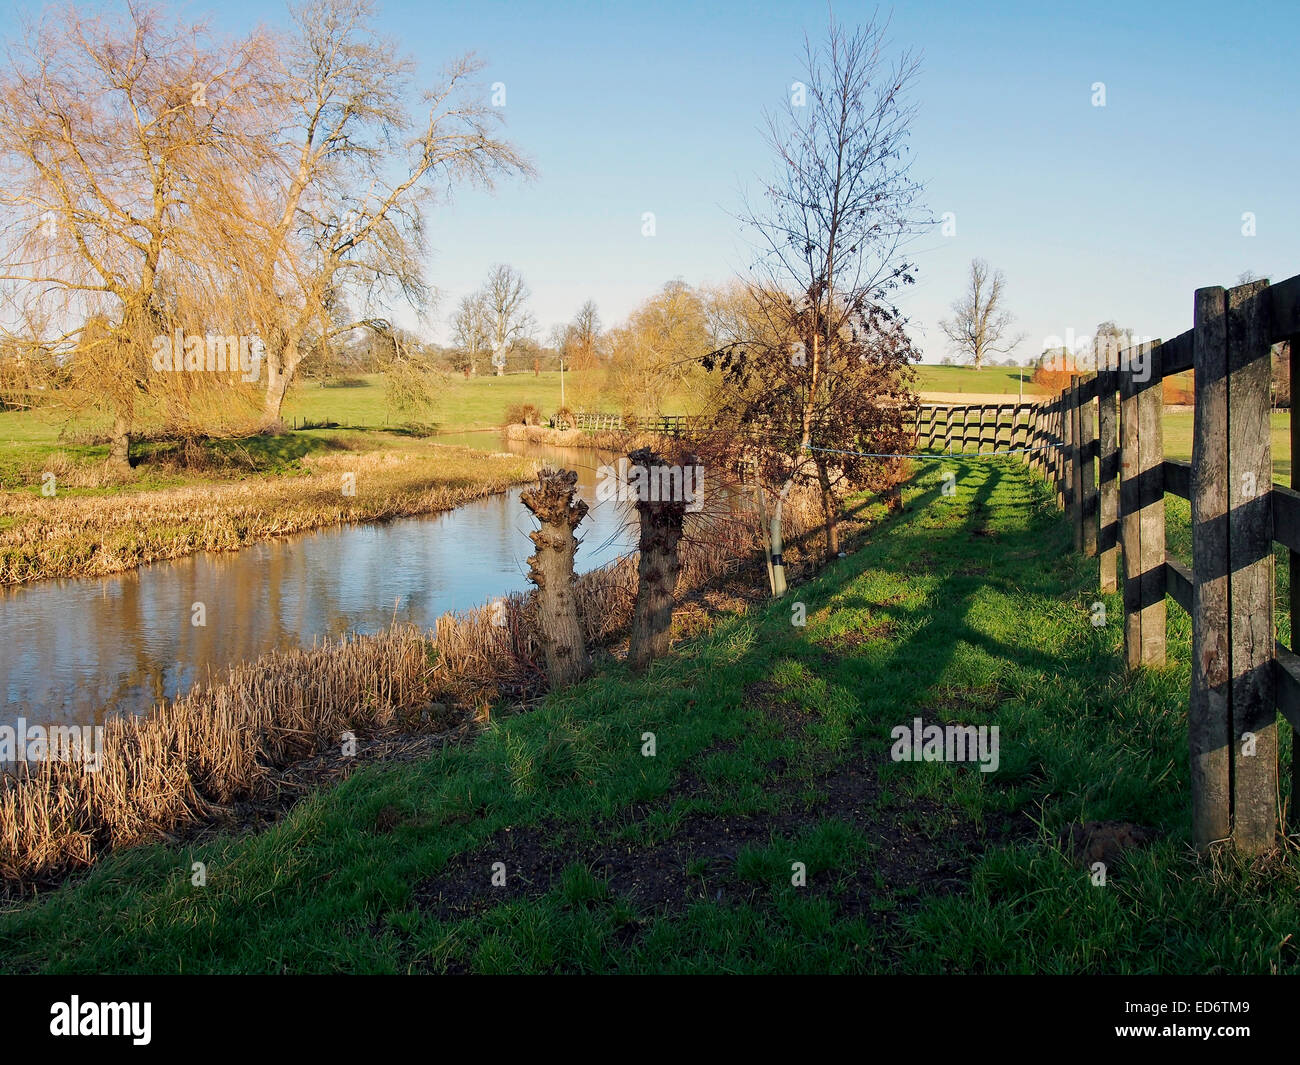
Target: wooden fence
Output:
[(985, 426), (661, 425), (1101, 446)]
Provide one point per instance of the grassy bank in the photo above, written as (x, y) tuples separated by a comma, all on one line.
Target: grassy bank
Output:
[(92, 532), (771, 747)]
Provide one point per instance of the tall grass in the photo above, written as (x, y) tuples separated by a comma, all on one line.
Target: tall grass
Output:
[(221, 742)]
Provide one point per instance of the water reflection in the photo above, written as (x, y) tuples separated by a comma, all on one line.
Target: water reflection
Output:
[(76, 650)]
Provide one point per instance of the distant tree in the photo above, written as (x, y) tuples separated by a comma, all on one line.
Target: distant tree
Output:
[(657, 352), (978, 328), (471, 334), (584, 338), (509, 322)]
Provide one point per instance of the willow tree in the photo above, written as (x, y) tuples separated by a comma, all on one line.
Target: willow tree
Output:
[(358, 163), (832, 232), (115, 136)]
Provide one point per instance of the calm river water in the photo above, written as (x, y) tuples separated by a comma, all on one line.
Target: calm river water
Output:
[(78, 650)]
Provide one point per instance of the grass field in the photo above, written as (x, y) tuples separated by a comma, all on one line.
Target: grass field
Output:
[(772, 747), (1004, 380), (30, 440), (1178, 441)]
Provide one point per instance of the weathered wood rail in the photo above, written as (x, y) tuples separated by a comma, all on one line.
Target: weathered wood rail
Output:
[(1105, 457)]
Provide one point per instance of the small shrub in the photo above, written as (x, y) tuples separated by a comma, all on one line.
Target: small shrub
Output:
[(523, 414)]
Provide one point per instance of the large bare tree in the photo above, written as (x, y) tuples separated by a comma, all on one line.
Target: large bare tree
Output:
[(980, 321), (584, 337), (470, 336), (357, 167)]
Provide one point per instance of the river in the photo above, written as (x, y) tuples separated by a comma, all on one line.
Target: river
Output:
[(77, 650)]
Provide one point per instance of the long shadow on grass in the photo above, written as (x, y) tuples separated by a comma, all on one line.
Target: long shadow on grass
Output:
[(706, 840)]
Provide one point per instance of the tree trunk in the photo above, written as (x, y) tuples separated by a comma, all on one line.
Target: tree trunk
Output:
[(778, 545), (828, 511), (657, 569), (550, 568), (275, 391), (280, 368), (119, 447)]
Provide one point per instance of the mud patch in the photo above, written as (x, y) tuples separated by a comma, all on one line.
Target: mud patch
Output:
[(918, 850), (1104, 841)]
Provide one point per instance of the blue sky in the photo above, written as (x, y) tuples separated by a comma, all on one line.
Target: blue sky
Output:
[(1092, 212)]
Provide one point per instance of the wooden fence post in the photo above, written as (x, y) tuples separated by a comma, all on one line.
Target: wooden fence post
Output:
[(1054, 452), (1074, 456), (1086, 467), (1142, 506), (1108, 473), (1031, 439), (1209, 712), (1058, 433), (1250, 561), (1038, 439)]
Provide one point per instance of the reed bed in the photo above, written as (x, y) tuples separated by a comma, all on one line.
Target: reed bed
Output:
[(620, 440), (221, 742), (88, 536)]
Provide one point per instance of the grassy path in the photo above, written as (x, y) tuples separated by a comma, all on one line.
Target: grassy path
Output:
[(772, 746)]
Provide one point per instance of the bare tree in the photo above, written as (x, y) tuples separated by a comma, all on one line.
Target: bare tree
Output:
[(978, 328), (839, 212), (469, 332), (355, 170), (585, 337), (505, 305)]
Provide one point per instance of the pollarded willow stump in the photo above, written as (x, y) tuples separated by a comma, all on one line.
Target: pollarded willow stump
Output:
[(659, 565), (550, 568)]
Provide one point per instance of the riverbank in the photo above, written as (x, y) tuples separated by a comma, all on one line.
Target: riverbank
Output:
[(353, 479), (769, 830), (189, 760)]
